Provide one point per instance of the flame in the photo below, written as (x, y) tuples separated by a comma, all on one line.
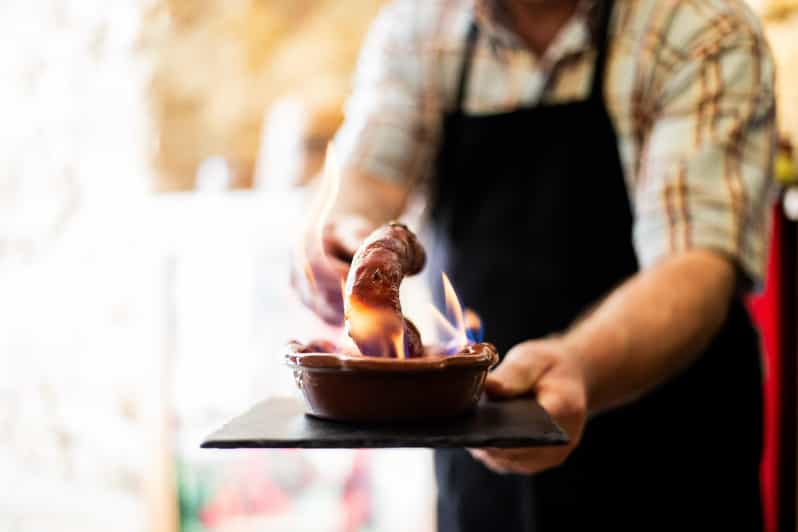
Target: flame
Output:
[(328, 193), (460, 327), (312, 240), (398, 340), (453, 309), (377, 331), (473, 325)]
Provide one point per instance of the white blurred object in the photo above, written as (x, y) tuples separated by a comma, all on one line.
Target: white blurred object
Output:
[(213, 175), (791, 203), (280, 156), (78, 311)]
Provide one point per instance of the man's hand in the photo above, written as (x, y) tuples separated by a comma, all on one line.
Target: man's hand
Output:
[(319, 281), (547, 369), (647, 330)]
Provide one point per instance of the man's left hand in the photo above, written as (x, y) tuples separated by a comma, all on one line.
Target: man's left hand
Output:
[(546, 369)]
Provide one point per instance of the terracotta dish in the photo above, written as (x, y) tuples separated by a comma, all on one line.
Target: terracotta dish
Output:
[(356, 388)]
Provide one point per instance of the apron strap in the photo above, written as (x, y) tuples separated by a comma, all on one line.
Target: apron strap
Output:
[(602, 44), (465, 69), (599, 71)]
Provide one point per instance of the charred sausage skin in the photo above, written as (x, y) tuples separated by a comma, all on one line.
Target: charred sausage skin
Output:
[(372, 311)]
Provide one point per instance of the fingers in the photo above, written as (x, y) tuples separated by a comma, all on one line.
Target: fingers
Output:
[(518, 373), (319, 288), (338, 248), (494, 465), (557, 380), (519, 461), (318, 281), (343, 237), (328, 294)]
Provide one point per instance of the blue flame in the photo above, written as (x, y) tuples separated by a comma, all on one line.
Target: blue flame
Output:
[(475, 335)]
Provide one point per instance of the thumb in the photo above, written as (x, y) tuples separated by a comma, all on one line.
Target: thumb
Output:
[(518, 373)]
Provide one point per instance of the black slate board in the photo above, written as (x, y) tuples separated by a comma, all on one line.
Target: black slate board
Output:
[(281, 423)]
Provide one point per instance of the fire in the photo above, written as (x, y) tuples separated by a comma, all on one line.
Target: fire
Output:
[(320, 210), (328, 193), (460, 327), (398, 341), (381, 330), (473, 325)]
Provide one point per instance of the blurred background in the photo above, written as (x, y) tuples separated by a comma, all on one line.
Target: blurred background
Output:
[(154, 158)]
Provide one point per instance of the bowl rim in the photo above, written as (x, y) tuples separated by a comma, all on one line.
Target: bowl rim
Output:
[(482, 356)]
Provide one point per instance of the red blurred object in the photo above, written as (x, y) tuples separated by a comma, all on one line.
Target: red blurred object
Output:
[(774, 311), (357, 494)]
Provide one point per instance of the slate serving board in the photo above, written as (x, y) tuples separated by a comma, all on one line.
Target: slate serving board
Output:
[(281, 423)]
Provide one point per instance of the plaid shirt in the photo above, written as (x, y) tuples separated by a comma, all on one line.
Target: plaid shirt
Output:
[(689, 88)]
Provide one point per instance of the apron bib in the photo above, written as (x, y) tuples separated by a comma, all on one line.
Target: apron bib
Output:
[(533, 223)]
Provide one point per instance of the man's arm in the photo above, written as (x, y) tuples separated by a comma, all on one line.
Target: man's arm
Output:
[(383, 147), (648, 329), (700, 205), (652, 326), (388, 137), (375, 199)]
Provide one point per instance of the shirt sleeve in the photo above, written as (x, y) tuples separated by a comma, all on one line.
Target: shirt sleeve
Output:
[(704, 173), (387, 130)]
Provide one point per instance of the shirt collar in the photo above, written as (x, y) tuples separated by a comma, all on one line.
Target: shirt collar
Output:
[(575, 37)]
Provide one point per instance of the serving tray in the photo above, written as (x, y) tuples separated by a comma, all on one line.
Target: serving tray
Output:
[(282, 423)]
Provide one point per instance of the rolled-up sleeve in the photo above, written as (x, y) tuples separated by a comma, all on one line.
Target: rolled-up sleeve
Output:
[(705, 164), (387, 130)]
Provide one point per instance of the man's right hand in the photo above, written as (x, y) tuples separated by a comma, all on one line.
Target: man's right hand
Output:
[(318, 282)]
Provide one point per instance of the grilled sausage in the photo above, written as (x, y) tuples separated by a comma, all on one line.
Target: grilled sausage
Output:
[(373, 314)]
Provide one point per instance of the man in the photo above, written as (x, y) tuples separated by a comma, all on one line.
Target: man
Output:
[(597, 174)]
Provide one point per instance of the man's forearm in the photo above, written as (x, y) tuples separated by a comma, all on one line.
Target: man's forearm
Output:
[(371, 197), (651, 327)]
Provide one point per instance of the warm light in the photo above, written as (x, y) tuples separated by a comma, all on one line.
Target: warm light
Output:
[(377, 331), (399, 343), (346, 344)]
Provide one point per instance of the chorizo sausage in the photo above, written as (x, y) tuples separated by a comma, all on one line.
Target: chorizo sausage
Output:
[(372, 311)]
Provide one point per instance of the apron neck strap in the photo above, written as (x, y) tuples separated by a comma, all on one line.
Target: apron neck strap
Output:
[(602, 41), (602, 44), (465, 67)]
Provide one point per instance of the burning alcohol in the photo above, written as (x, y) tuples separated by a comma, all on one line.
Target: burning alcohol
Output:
[(369, 297)]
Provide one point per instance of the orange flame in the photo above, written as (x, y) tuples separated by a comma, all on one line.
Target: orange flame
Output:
[(381, 330), (311, 241), (398, 340)]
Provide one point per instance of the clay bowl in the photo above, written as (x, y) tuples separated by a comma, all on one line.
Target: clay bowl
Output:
[(355, 388)]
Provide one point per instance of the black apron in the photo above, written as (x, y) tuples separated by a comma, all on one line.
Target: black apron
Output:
[(533, 216)]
